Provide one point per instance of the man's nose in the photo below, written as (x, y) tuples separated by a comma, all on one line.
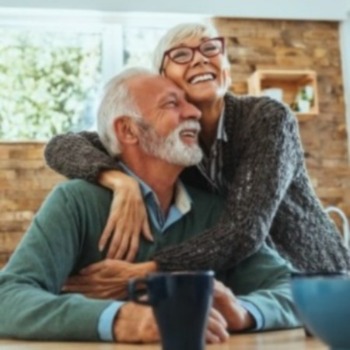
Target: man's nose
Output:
[(191, 111)]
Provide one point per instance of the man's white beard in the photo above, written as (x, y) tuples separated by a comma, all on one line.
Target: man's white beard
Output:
[(171, 148)]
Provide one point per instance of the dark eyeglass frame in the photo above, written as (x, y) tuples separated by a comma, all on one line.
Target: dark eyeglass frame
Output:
[(193, 49)]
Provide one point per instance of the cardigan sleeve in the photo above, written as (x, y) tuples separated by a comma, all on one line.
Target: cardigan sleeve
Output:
[(80, 155), (268, 162)]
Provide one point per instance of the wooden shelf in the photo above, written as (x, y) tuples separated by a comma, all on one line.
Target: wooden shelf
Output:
[(290, 82), (304, 117)]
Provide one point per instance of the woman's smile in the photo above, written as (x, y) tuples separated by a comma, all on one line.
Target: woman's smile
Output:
[(201, 77), (204, 79)]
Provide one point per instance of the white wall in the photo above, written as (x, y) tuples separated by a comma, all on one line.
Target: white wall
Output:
[(281, 9)]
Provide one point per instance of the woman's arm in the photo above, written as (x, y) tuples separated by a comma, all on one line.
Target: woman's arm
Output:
[(80, 155), (83, 156), (269, 161)]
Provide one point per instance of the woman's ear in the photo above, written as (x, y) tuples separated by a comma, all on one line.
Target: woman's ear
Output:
[(126, 130)]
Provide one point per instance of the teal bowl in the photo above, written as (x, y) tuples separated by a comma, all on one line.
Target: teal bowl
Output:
[(323, 304)]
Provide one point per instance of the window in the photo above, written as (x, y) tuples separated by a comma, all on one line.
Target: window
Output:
[(52, 66), (139, 43), (48, 81)]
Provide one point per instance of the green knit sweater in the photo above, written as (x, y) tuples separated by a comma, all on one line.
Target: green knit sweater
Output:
[(63, 239)]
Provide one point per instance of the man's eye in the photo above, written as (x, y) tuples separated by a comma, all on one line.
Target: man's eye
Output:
[(171, 104)]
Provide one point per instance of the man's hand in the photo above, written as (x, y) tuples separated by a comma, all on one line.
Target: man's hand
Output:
[(107, 279), (216, 329), (135, 324), (237, 317)]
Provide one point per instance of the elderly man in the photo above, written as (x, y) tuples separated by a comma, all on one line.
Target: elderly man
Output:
[(155, 139)]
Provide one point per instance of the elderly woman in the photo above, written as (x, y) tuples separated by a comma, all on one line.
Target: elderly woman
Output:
[(252, 156)]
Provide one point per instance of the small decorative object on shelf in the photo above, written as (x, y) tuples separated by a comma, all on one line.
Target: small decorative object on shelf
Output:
[(275, 93), (304, 100), (297, 88)]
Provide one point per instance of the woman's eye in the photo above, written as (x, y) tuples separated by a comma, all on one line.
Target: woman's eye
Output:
[(180, 54), (209, 48)]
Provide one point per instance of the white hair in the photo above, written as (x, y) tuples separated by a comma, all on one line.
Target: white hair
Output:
[(117, 101), (177, 34), (171, 148)]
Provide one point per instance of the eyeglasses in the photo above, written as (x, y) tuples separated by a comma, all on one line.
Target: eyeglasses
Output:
[(184, 54)]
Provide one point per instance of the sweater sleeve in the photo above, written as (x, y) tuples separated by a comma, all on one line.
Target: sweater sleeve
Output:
[(268, 162), (263, 280), (80, 155), (30, 301)]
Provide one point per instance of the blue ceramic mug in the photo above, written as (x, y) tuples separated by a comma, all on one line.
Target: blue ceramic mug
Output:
[(181, 302)]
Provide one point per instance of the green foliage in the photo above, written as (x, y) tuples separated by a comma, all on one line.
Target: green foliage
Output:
[(47, 81)]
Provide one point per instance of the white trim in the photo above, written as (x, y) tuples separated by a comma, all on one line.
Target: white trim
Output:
[(112, 51), (88, 21), (85, 17), (271, 9), (64, 20), (345, 55), (342, 215)]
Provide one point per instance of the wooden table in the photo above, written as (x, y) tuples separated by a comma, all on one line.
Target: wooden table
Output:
[(279, 340)]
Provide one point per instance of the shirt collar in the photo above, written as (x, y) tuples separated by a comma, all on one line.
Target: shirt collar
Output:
[(221, 132), (182, 200)]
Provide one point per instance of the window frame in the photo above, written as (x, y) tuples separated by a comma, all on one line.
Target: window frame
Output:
[(109, 24)]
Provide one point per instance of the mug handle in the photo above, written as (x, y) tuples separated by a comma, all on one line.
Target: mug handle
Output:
[(133, 293)]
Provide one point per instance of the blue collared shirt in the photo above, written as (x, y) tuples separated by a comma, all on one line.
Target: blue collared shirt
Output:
[(180, 207), (211, 167)]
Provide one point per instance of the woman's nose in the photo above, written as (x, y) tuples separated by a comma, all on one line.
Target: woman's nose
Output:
[(199, 58)]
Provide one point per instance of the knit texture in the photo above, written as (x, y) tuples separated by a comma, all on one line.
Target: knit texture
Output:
[(269, 194), (63, 239)]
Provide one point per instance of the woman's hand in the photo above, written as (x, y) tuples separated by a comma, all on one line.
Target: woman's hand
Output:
[(236, 316), (127, 217), (107, 279)]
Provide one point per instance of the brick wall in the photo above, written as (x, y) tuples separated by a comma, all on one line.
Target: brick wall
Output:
[(252, 44), (24, 183)]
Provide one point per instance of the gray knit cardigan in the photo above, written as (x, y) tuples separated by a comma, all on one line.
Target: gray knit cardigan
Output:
[(269, 195)]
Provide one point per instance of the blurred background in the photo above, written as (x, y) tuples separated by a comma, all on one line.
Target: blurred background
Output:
[(54, 58)]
